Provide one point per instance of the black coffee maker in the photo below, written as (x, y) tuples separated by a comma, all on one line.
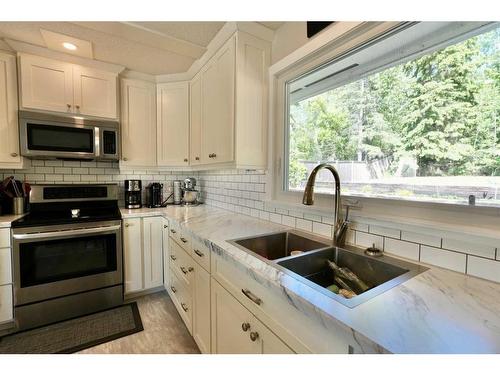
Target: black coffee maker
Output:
[(133, 194), (154, 194)]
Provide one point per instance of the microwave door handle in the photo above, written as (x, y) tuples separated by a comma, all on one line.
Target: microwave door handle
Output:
[(65, 233), (97, 145)]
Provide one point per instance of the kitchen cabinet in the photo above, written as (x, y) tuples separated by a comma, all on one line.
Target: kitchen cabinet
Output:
[(232, 126), (6, 308), (235, 330), (173, 124), (217, 131), (6, 295), (138, 123), (9, 128), (153, 251), (166, 254), (58, 86), (201, 309), (143, 253), (94, 92), (195, 120)]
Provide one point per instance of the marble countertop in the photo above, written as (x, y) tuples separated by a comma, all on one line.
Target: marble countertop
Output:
[(6, 220), (437, 311)]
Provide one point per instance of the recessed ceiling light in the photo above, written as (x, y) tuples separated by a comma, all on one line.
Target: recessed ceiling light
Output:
[(69, 46)]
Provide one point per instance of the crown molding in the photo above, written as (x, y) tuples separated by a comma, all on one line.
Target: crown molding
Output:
[(22, 47)]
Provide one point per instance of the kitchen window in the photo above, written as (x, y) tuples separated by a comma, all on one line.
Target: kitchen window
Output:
[(413, 115)]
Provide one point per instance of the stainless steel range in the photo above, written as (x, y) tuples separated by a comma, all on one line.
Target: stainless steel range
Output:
[(67, 254)]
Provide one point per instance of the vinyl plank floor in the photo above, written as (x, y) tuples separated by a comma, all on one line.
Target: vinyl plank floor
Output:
[(164, 331)]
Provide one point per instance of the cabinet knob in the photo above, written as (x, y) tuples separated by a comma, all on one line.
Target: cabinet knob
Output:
[(254, 336), (173, 257), (191, 269), (184, 306), (173, 231), (245, 326), (77, 106), (14, 154), (197, 158), (212, 155), (184, 240), (127, 225), (185, 160), (184, 270), (173, 289), (125, 159), (165, 226), (68, 105)]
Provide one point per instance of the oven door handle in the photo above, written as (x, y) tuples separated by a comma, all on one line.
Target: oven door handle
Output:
[(66, 233)]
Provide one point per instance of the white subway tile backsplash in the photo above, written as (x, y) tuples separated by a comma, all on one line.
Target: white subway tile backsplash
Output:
[(322, 229), (383, 231), (359, 226), (304, 225), (350, 237), (469, 248), (443, 258), (44, 170), (421, 238), (312, 217), (53, 163), (275, 218), (63, 170), (400, 248), (484, 268), (264, 215), (80, 171), (288, 220), (71, 163), (72, 177), (366, 240)]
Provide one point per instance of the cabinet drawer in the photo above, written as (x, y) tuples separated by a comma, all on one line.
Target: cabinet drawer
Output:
[(174, 231), (181, 297), (5, 237), (181, 263), (5, 266), (6, 312), (201, 254)]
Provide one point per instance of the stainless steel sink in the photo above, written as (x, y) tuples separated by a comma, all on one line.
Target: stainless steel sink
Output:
[(279, 245), (380, 274)]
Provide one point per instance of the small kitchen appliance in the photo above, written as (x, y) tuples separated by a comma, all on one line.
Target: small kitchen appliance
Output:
[(190, 194), (177, 192), (133, 194), (154, 193)]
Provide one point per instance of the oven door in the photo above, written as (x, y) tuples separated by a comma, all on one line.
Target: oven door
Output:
[(60, 260), (54, 139)]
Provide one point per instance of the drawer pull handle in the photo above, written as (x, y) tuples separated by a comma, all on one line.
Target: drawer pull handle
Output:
[(245, 326), (252, 297), (184, 270), (184, 306), (191, 269), (173, 231), (199, 253), (165, 226), (173, 289), (173, 257), (254, 336), (184, 240)]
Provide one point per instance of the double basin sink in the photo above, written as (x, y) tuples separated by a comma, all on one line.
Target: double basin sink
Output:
[(305, 257)]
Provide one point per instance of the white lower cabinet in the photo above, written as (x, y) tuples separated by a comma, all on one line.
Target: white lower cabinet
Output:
[(143, 253), (235, 330), (166, 254), (6, 309), (201, 309)]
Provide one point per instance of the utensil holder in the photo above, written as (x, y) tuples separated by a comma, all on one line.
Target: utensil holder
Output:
[(18, 205)]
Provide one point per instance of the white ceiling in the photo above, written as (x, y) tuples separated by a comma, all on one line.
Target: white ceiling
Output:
[(154, 48)]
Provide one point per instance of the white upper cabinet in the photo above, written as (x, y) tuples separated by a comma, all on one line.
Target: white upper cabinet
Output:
[(138, 123), (94, 92), (195, 128), (52, 85), (217, 132), (173, 124), (9, 128), (46, 84), (233, 121)]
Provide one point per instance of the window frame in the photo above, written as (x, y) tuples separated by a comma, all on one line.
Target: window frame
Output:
[(346, 44)]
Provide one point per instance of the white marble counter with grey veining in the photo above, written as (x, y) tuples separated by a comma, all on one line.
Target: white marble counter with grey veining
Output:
[(437, 311), (6, 220)]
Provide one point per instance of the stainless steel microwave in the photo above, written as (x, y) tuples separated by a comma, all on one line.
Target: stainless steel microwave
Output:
[(49, 136)]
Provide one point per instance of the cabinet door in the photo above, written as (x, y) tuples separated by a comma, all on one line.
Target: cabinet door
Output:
[(201, 309), (6, 309), (266, 340), (195, 123), (166, 254), (9, 130), (132, 255), (152, 229), (94, 92), (228, 318), (173, 124), (138, 123), (46, 84), (218, 111)]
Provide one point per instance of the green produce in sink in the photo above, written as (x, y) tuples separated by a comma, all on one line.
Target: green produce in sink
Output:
[(333, 288)]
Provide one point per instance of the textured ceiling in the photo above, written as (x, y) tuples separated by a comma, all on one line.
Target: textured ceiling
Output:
[(149, 47)]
